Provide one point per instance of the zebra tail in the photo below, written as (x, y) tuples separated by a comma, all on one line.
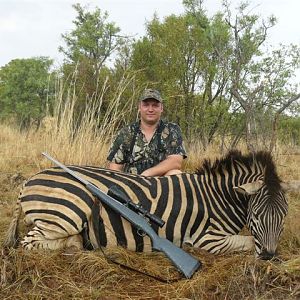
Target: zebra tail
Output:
[(11, 237)]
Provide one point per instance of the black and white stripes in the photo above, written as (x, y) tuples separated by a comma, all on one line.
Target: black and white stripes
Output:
[(206, 209)]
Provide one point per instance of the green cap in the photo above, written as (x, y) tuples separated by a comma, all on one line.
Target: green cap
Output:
[(151, 94)]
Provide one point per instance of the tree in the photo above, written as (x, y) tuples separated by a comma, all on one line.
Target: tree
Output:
[(26, 90), (183, 57), (94, 38), (260, 83), (279, 93), (88, 48)]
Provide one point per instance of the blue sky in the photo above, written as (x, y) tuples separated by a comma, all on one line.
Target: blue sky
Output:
[(33, 27)]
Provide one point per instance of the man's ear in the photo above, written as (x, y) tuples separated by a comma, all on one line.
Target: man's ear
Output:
[(250, 188)]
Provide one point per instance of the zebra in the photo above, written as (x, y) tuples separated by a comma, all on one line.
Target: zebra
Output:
[(206, 209)]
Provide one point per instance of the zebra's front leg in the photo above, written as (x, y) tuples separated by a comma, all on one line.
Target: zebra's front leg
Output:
[(225, 243), (238, 243)]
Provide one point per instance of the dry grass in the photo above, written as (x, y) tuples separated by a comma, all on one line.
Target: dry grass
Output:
[(89, 275)]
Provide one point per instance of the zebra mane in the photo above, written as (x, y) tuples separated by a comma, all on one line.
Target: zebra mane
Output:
[(263, 158)]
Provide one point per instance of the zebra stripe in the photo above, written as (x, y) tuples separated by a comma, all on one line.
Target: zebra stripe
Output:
[(206, 209)]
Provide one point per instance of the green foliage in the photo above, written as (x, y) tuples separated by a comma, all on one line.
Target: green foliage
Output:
[(259, 82), (289, 130), (93, 38), (26, 90), (184, 56), (88, 48), (217, 80)]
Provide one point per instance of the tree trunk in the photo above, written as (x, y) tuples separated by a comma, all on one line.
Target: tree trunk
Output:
[(251, 139)]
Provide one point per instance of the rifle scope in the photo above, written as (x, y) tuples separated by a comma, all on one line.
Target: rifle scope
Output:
[(120, 196)]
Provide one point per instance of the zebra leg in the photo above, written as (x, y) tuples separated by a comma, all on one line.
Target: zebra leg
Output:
[(46, 235), (39, 239), (238, 243), (225, 243)]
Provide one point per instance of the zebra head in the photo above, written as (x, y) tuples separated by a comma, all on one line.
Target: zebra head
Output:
[(267, 208)]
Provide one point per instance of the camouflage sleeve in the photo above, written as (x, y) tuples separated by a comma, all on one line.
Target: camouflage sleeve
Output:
[(117, 151), (175, 144)]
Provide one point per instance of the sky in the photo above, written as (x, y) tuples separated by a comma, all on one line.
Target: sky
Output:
[(30, 28)]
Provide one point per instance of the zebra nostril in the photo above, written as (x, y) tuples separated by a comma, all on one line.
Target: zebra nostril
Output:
[(266, 255)]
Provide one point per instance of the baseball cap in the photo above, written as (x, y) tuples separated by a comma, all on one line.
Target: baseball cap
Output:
[(151, 94)]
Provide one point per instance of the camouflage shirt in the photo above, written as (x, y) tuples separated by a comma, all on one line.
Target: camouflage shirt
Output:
[(137, 154)]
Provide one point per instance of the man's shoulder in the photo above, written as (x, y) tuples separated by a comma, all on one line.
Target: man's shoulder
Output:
[(170, 131), (125, 135), (128, 129), (170, 126)]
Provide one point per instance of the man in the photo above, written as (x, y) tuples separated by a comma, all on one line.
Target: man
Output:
[(149, 147)]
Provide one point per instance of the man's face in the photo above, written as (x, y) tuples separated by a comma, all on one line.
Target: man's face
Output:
[(150, 110)]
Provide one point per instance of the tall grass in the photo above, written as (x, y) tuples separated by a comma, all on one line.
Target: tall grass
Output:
[(60, 134), (85, 142)]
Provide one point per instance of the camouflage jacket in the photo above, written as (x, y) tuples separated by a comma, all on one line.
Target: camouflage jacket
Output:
[(132, 149)]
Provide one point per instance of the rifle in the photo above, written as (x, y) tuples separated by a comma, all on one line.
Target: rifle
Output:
[(117, 194), (183, 261)]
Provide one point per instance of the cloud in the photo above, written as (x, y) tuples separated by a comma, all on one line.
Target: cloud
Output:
[(34, 27), (8, 24)]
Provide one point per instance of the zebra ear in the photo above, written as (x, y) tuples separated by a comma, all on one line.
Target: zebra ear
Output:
[(250, 188), (291, 186)]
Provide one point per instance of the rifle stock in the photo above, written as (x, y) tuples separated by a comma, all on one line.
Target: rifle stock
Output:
[(183, 261)]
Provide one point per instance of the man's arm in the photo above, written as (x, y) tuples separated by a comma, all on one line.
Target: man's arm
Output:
[(115, 167), (175, 155), (115, 158), (172, 162)]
